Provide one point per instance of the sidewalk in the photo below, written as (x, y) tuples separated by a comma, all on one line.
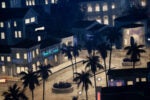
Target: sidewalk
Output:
[(64, 65)]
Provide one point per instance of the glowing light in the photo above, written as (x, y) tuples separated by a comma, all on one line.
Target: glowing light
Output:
[(50, 52)]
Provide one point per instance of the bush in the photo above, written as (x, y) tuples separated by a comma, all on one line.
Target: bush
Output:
[(62, 85), (129, 60)]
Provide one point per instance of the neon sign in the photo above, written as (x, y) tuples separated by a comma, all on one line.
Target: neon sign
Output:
[(50, 52)]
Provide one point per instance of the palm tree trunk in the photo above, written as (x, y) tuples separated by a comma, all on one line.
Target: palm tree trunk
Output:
[(110, 57), (32, 95), (134, 65), (86, 94), (72, 68), (106, 73), (75, 63), (43, 89), (95, 85)]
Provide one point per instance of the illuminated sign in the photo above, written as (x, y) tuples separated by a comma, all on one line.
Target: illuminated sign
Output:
[(50, 52), (98, 96), (2, 80)]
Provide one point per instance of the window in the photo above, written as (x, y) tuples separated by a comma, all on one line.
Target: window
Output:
[(37, 51), (34, 67), (105, 7), (113, 19), (27, 3), (33, 2), (39, 38), (1, 24), (137, 80), (38, 63), (46, 1), (89, 8), (27, 21), (25, 55), (106, 20), (8, 24), (19, 34), (30, 3), (8, 59), (15, 24), (97, 8), (143, 79), (130, 83), (33, 54), (33, 19), (143, 3), (3, 5), (2, 35), (3, 69), (16, 34), (99, 20), (53, 1), (55, 57), (17, 55), (113, 6), (2, 58)]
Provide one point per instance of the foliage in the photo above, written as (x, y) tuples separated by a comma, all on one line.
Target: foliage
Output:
[(62, 85), (14, 93)]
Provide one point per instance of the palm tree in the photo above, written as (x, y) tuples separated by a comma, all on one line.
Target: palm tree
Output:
[(84, 79), (102, 49), (44, 72), (30, 79), (92, 63), (67, 50), (14, 93), (76, 49), (112, 35), (134, 51)]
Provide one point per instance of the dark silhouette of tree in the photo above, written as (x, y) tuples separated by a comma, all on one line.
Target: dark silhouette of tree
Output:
[(92, 62), (84, 79), (76, 50), (67, 50), (102, 49), (30, 79), (14, 93), (112, 35), (134, 51), (44, 72)]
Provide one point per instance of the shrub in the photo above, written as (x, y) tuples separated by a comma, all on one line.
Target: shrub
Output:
[(62, 85)]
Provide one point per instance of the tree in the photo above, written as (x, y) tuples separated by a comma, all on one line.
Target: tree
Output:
[(76, 49), (84, 79), (30, 79), (14, 93), (102, 49), (67, 50), (112, 35), (92, 62), (44, 72), (134, 51)]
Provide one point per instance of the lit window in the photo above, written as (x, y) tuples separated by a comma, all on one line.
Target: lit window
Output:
[(33, 19), (27, 21), (39, 38), (8, 59), (8, 24), (97, 8), (37, 51), (46, 1), (143, 3), (53, 1), (30, 3), (105, 7), (3, 5), (106, 20), (130, 83), (16, 34), (89, 8), (27, 3), (137, 80), (2, 35), (99, 20), (56, 58), (33, 2), (19, 34), (15, 24), (17, 55), (1, 24), (3, 69), (113, 6), (18, 70), (33, 54), (38, 63), (2, 58), (34, 67), (25, 55), (143, 79)]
